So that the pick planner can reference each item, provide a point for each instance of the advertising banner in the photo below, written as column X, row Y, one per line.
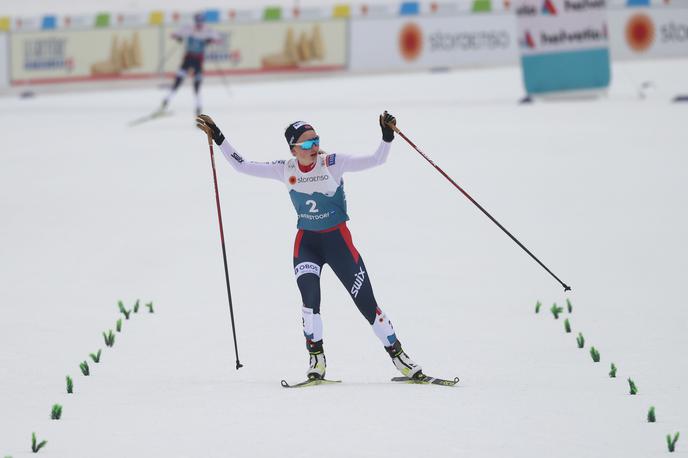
column 4, row 67
column 266, row 47
column 641, row 33
column 422, row 42
column 564, row 44
column 81, row 55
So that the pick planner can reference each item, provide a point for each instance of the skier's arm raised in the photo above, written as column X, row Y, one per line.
column 274, row 170
column 180, row 34
column 345, row 163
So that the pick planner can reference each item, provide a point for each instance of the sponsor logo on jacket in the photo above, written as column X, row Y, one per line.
column 315, row 217
column 313, row 179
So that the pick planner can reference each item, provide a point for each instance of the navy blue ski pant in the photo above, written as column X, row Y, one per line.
column 334, row 247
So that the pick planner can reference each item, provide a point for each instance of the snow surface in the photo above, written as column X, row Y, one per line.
column 94, row 211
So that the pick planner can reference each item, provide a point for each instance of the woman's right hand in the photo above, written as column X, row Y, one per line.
column 207, row 125
column 386, row 123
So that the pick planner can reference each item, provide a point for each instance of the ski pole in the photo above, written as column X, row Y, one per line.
column 223, row 78
column 224, row 251
column 401, row 134
column 166, row 57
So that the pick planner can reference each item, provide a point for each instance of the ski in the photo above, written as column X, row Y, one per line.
column 427, row 380
column 314, row 382
column 424, row 380
column 149, row 117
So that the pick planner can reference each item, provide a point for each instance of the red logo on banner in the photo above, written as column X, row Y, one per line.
column 528, row 40
column 548, row 8
column 410, row 41
column 640, row 32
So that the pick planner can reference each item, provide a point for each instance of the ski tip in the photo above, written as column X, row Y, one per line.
column 284, row 384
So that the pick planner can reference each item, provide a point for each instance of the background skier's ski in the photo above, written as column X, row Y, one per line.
column 155, row 115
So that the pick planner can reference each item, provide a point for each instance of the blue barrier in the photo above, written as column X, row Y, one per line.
column 566, row 71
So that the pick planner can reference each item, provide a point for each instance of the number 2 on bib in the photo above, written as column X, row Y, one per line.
column 313, row 205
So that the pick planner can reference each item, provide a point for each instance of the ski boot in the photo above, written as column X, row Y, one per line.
column 316, row 371
column 403, row 363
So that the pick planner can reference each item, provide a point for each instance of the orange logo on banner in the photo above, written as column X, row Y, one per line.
column 410, row 41
column 640, row 32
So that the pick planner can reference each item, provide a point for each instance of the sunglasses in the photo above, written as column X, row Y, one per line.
column 308, row 144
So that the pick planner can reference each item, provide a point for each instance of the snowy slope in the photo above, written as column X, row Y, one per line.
column 94, row 211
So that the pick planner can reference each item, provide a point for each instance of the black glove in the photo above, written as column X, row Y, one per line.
column 387, row 132
column 207, row 125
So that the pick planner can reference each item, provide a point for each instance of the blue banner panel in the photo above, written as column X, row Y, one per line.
column 409, row 9
column 212, row 16
column 49, row 23
column 566, row 71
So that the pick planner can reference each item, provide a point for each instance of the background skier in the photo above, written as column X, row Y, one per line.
column 195, row 39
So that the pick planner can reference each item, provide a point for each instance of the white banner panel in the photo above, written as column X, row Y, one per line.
column 58, row 56
column 641, row 33
column 4, row 62
column 561, row 25
column 417, row 42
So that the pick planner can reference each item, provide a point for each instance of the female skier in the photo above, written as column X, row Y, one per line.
column 314, row 181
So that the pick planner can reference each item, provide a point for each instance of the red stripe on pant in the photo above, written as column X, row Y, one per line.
column 346, row 235
column 297, row 243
